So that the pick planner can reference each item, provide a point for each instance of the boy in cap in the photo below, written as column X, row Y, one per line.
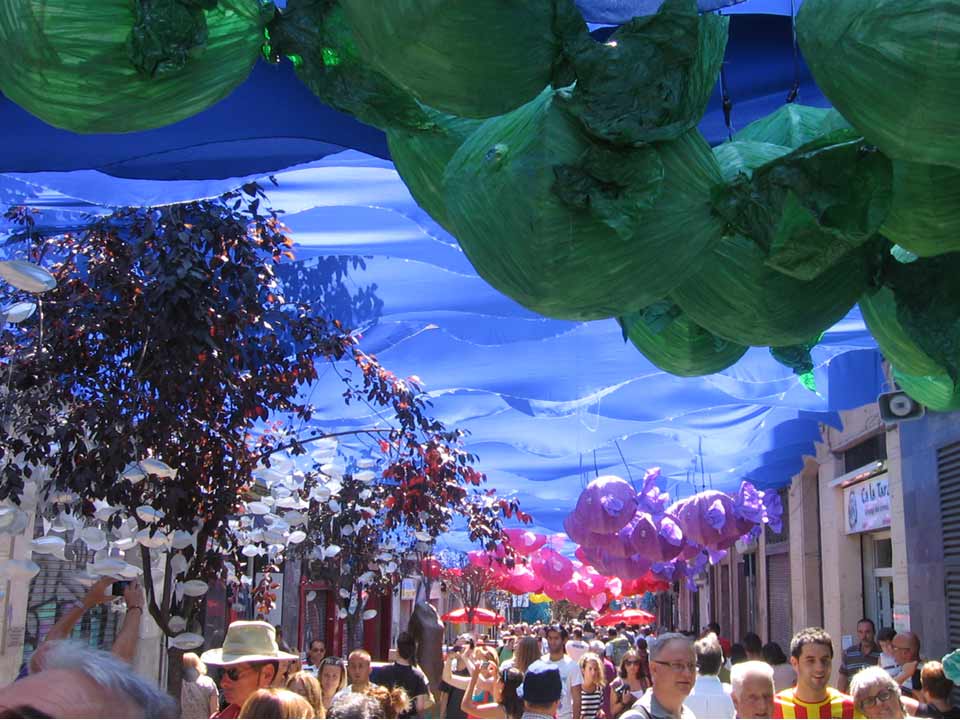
column 541, row 691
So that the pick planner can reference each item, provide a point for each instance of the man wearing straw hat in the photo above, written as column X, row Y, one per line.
column 250, row 659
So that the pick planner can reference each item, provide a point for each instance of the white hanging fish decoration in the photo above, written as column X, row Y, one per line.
column 297, row 537
column 27, row 276
column 365, row 463
column 391, row 568
column 137, row 471
column 50, row 545
column 177, row 624
column 423, row 536
column 347, row 530
column 334, row 506
column 365, row 475
column 13, row 521
column 94, row 538
column 344, row 593
column 194, row 588
column 331, row 551
column 320, row 493
column 156, row 540
column 252, row 551
column 311, row 596
column 181, row 539
column 257, row 508
column 292, row 502
column 295, row 517
column 103, row 511
column 22, row 570
column 187, row 641
column 149, row 514
column 342, row 613
column 17, row 312
column 178, row 565
column 369, row 614
column 124, row 544
column 367, row 578
column 365, row 495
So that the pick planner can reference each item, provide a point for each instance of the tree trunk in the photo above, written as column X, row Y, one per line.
column 175, row 675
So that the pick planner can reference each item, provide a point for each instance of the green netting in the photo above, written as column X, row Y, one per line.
column 421, row 156
column 465, row 57
column 937, row 392
column 739, row 297
column 813, row 206
column 572, row 229
column 879, row 310
column 676, row 344
column 73, row 63
column 317, row 36
column 925, row 215
column 652, row 79
column 793, row 125
column 745, row 156
column 892, row 68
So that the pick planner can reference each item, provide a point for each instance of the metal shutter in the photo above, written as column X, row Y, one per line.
column 779, row 600
column 948, row 472
column 55, row 590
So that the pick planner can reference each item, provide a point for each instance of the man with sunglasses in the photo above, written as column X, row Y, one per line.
column 673, row 665
column 250, row 658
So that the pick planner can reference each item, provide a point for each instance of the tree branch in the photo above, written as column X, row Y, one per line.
column 155, row 612
column 321, row 436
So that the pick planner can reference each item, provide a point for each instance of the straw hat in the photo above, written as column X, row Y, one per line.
column 247, row 641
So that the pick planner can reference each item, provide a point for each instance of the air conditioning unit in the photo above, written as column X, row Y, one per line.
column 897, row 407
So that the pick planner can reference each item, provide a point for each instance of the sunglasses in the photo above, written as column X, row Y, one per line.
column 631, row 662
column 234, row 673
column 334, row 661
column 678, row 666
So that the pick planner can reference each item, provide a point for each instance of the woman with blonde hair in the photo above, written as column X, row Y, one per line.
column 307, row 685
column 591, row 692
column 199, row 697
column 276, row 703
column 333, row 678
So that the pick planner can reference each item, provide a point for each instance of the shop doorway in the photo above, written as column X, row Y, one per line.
column 878, row 598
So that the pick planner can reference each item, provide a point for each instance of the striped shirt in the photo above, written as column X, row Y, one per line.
column 855, row 660
column 590, row 703
column 837, row 705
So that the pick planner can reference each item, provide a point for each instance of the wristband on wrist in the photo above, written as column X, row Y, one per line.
column 135, row 607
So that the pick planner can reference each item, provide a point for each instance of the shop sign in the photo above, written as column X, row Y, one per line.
column 408, row 589
column 867, row 505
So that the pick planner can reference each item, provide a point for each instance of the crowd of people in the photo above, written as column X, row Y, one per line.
column 530, row 671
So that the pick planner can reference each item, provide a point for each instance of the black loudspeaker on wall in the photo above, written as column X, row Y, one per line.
column 896, row 407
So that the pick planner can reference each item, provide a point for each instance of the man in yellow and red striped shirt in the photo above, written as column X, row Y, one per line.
column 811, row 654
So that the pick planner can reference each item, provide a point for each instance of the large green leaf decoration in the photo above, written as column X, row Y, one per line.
column 937, row 392
column 927, row 298
column 925, row 215
column 793, row 125
column 421, row 156
column 676, row 344
column 738, row 296
column 744, row 156
column 811, row 207
column 573, row 229
column 892, row 68
column 316, row 36
column 472, row 58
column 879, row 310
column 117, row 66
column 652, row 79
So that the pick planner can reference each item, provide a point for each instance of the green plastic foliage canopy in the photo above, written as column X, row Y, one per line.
column 652, row 79
column 421, row 156
column 892, row 68
column 116, row 66
column 793, row 125
column 676, row 344
column 573, row 229
column 316, row 36
column 811, row 207
column 466, row 57
column 925, row 216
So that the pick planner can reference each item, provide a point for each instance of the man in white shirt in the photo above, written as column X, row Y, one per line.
column 576, row 647
column 569, row 672
column 710, row 698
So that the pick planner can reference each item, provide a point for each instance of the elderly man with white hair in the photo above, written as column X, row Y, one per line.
column 752, row 689
column 673, row 665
